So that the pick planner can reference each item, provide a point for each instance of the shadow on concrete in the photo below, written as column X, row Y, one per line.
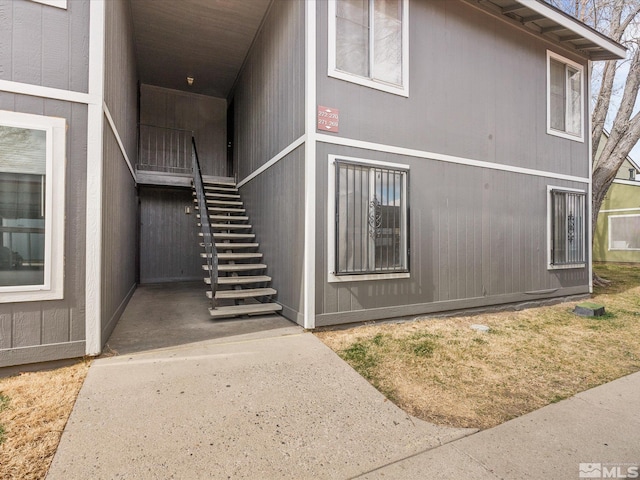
column 171, row 314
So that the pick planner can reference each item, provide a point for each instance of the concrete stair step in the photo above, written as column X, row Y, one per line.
column 227, row 203
column 230, row 236
column 233, row 256
column 221, row 189
column 240, row 280
column 237, row 267
column 229, row 226
column 227, row 218
column 229, row 196
column 243, row 293
column 218, row 183
column 222, row 209
column 251, row 309
column 233, row 245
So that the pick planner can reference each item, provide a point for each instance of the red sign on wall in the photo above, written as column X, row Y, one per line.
column 328, row 119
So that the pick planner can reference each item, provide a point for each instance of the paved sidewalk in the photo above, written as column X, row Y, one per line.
column 274, row 404
column 600, row 427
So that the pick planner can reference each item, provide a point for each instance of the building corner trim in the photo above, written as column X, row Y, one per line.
column 309, row 263
column 95, row 123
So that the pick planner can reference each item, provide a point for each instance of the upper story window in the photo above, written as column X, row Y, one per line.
column 32, row 178
column 368, row 43
column 565, row 97
column 567, row 235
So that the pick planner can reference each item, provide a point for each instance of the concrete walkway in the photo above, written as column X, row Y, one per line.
column 274, row 404
column 261, row 399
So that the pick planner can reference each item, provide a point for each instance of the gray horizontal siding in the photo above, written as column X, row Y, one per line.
column 205, row 116
column 474, row 234
column 44, row 328
column 477, row 89
column 44, row 45
column 169, row 242
column 275, row 204
column 269, row 95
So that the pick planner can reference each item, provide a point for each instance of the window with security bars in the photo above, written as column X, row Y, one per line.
column 568, row 244
column 371, row 219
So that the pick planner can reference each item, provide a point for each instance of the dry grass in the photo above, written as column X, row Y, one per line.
column 36, row 408
column 442, row 371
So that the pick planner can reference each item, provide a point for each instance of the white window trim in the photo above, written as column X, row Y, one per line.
column 53, row 286
column 53, row 3
column 578, row 138
column 402, row 90
column 551, row 266
column 611, row 248
column 331, row 225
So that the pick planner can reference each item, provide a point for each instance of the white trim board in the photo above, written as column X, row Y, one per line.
column 95, row 121
column 53, row 3
column 631, row 183
column 347, row 142
column 114, row 129
column 283, row 153
column 620, row 210
column 47, row 92
column 310, row 78
column 590, row 187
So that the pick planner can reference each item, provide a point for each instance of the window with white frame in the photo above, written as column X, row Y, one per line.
column 368, row 43
column 369, row 210
column 32, row 177
column 565, row 97
column 624, row 232
column 567, row 220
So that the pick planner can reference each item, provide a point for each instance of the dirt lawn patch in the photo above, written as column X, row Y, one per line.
column 443, row 371
column 34, row 408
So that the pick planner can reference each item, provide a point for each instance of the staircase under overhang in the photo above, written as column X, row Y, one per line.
column 239, row 285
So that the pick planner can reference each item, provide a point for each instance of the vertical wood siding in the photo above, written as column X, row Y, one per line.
column 269, row 94
column 43, row 45
column 275, row 205
column 476, row 235
column 205, row 116
column 477, row 90
column 269, row 115
column 168, row 237
column 119, row 198
column 51, row 330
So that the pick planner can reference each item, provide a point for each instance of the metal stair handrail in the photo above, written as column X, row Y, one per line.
column 209, row 241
